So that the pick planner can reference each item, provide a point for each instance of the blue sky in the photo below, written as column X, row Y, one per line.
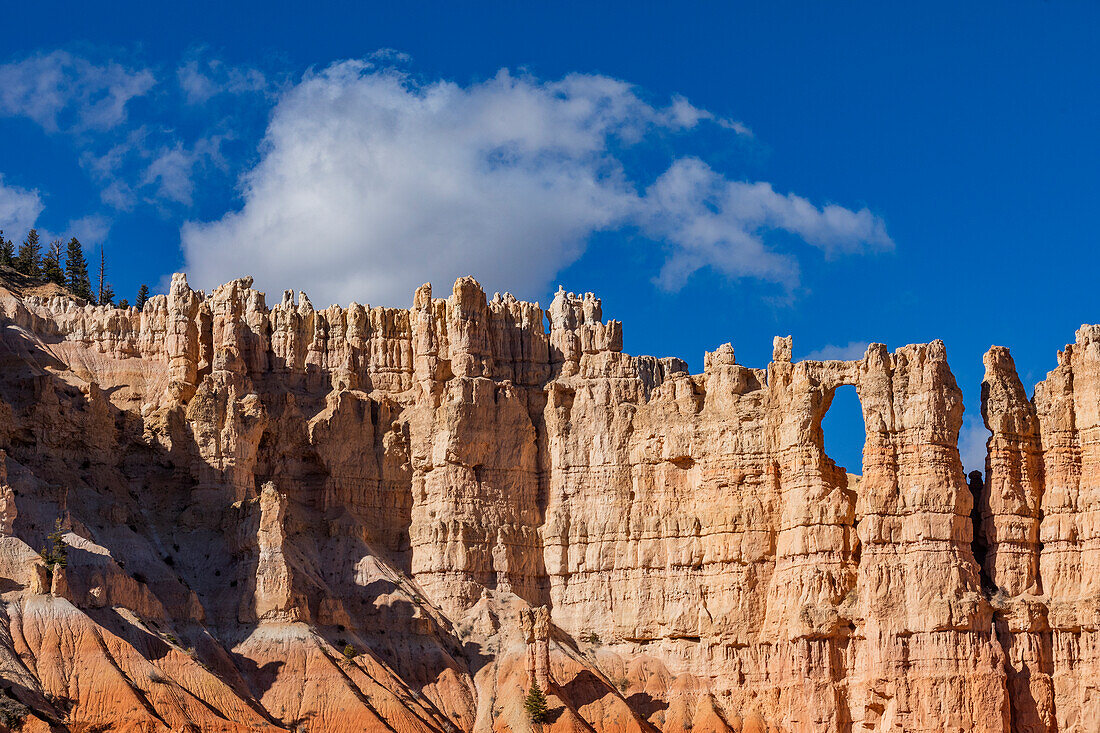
column 846, row 173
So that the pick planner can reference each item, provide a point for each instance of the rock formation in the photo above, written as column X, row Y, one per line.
column 365, row 518
column 535, row 623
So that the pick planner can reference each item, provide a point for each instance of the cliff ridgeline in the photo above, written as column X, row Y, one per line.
column 379, row 519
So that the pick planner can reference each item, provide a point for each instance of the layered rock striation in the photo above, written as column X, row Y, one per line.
column 361, row 518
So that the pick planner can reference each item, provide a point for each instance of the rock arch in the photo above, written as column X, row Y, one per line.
column 863, row 577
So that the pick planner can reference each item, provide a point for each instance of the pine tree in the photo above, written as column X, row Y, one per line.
column 106, row 294
column 104, row 287
column 124, row 304
column 535, row 704
column 142, row 296
column 55, row 554
column 51, row 264
column 7, row 251
column 76, row 270
column 29, row 253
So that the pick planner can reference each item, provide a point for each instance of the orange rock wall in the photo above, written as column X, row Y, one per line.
column 302, row 519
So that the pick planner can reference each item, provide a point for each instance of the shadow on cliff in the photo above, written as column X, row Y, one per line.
column 121, row 487
column 56, row 434
column 585, row 688
column 645, row 705
column 140, row 485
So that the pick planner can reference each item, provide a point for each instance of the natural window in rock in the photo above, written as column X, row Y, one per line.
column 843, row 430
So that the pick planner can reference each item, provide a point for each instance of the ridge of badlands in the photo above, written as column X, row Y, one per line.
column 384, row 519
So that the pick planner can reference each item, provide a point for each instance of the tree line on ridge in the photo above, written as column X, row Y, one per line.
column 65, row 266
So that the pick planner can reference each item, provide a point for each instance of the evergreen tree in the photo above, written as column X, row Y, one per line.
column 51, row 264
column 104, row 287
column 76, row 270
column 124, row 304
column 7, row 251
column 29, row 253
column 535, row 704
column 106, row 294
column 55, row 554
column 142, row 296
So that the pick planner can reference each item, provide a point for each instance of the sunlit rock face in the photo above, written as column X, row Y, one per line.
column 364, row 518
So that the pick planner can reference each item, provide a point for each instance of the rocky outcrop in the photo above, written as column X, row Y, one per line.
column 384, row 519
column 1040, row 513
column 535, row 623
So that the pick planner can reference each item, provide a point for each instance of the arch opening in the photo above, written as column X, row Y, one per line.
column 843, row 430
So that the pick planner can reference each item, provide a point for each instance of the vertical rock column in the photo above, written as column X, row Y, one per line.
column 1067, row 403
column 273, row 596
column 475, row 463
column 1010, row 505
column 226, row 415
column 236, row 306
column 814, row 564
column 1009, row 510
column 8, row 511
column 182, row 339
column 925, row 659
column 542, row 647
column 424, row 320
column 535, row 624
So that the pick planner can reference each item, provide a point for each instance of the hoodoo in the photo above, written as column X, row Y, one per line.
column 365, row 518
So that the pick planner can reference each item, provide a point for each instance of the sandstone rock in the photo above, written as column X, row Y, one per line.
column 296, row 518
column 536, row 632
column 1039, row 513
column 8, row 510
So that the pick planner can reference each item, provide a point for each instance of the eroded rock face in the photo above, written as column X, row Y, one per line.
column 1040, row 516
column 382, row 519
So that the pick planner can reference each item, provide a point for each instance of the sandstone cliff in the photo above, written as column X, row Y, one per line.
column 361, row 518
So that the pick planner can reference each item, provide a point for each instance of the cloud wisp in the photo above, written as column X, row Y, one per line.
column 19, row 209
column 848, row 352
column 201, row 78
column 972, row 444
column 371, row 182
column 64, row 92
column 158, row 153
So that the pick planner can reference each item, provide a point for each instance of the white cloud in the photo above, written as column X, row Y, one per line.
column 721, row 223
column 201, row 79
column 165, row 172
column 151, row 162
column 389, row 56
column 170, row 174
column 118, row 194
column 19, row 209
column 171, row 171
column 62, row 91
column 90, row 230
column 106, row 167
column 849, row 352
column 371, row 183
column 972, row 439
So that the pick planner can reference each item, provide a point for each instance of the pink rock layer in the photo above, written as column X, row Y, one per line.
column 359, row 519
